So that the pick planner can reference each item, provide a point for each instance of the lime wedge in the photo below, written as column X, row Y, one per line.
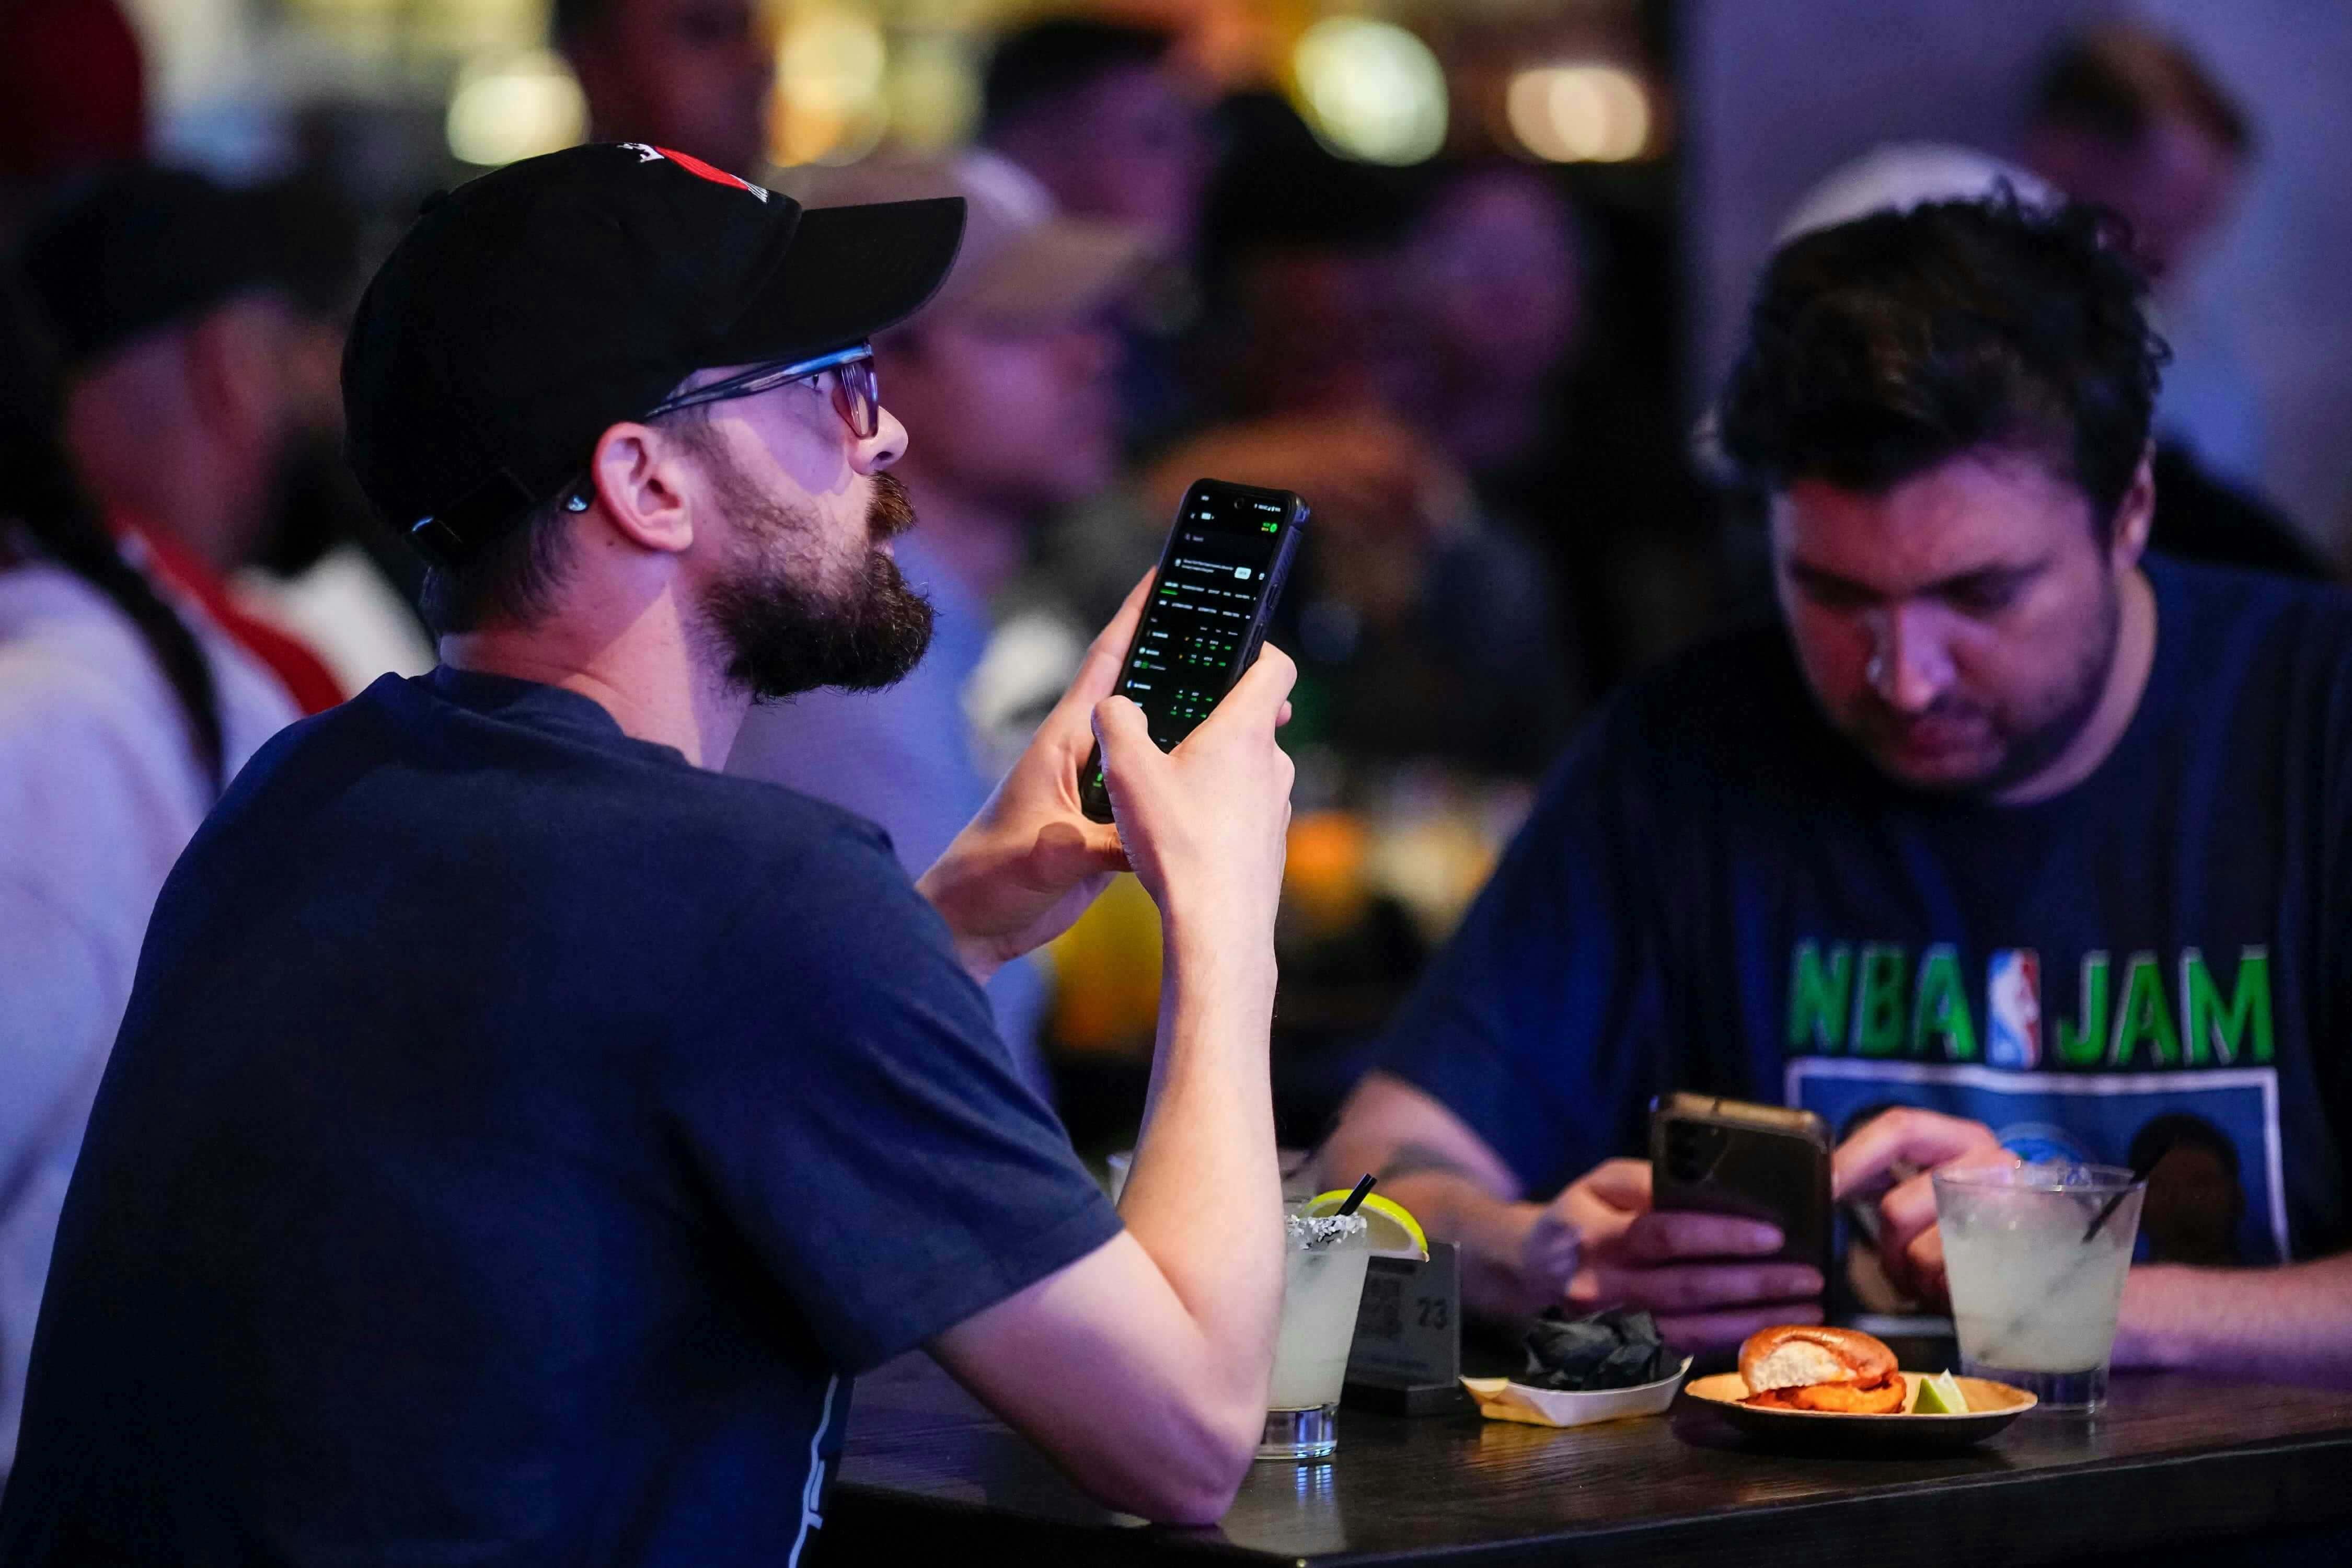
column 1939, row 1396
column 1394, row 1233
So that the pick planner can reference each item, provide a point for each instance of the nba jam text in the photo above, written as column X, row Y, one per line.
column 1874, row 999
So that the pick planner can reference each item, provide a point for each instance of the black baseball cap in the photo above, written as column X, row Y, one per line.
column 527, row 312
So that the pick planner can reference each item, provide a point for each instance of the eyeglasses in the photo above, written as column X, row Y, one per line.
column 856, row 394
column 857, row 397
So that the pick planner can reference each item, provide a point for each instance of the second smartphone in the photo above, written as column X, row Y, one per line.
column 1759, row 1162
column 1224, row 565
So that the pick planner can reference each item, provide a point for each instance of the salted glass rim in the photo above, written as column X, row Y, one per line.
column 2047, row 1176
column 1325, row 1233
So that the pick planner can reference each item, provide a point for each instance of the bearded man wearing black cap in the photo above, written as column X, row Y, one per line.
column 521, row 1133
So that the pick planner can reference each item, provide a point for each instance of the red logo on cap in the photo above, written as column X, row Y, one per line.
column 647, row 154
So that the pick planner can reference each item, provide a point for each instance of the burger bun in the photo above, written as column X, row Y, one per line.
column 1801, row 1356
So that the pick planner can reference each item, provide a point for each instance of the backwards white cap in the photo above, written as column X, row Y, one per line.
column 1900, row 176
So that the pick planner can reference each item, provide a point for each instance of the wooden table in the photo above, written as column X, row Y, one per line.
column 2212, row 1471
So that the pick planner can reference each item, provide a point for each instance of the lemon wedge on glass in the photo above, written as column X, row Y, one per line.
column 1394, row 1232
column 1939, row 1396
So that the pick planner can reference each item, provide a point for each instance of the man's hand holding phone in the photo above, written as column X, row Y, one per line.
column 1206, row 825
column 1219, row 577
column 1891, row 1160
column 1710, row 1280
column 1032, row 861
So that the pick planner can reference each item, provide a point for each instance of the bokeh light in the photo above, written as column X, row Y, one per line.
column 829, row 105
column 1580, row 113
column 1371, row 90
column 514, row 104
column 933, row 93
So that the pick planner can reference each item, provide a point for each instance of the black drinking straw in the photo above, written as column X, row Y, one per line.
column 2114, row 1203
column 2105, row 1210
column 1356, row 1199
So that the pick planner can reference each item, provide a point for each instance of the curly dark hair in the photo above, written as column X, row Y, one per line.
column 1882, row 347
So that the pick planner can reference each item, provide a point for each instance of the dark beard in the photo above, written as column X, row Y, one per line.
column 783, row 640
column 2043, row 743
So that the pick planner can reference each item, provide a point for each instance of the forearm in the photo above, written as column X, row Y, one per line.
column 2278, row 1325
column 1204, row 1195
column 1439, row 1169
column 1492, row 1233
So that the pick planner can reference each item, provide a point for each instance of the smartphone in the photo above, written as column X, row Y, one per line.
column 1226, row 559
column 1759, row 1162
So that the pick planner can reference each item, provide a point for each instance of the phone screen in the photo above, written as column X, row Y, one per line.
column 1225, row 558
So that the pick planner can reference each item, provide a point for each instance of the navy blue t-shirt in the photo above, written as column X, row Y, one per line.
column 1718, row 893
column 517, row 1141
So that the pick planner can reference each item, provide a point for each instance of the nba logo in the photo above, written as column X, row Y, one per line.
column 2013, row 1009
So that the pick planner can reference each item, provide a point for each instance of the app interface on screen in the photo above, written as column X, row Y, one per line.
column 1199, row 619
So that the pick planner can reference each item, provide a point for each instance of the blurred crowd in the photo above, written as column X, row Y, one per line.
column 1453, row 363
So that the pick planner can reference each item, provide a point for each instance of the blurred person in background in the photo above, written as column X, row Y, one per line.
column 1425, row 629
column 2006, row 825
column 1432, row 686
column 1100, row 114
column 185, row 393
column 693, row 76
column 1495, row 273
column 1522, row 379
column 124, row 712
column 2133, row 121
column 1008, row 376
column 1103, row 115
column 325, row 567
column 73, row 99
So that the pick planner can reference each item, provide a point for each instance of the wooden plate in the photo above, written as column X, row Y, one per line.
column 1992, row 1406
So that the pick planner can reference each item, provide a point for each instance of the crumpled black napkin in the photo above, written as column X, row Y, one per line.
column 1616, row 1348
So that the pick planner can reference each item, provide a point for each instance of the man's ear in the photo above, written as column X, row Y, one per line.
column 639, row 474
column 2134, row 514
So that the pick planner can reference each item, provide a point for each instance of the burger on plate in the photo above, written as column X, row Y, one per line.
column 1803, row 1367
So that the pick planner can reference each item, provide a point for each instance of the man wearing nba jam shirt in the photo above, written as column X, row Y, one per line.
column 2034, row 840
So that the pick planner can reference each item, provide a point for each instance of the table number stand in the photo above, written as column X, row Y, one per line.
column 1407, row 1355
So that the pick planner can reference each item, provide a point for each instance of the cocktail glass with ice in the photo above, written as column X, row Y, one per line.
column 1322, row 1286
column 2036, row 1256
